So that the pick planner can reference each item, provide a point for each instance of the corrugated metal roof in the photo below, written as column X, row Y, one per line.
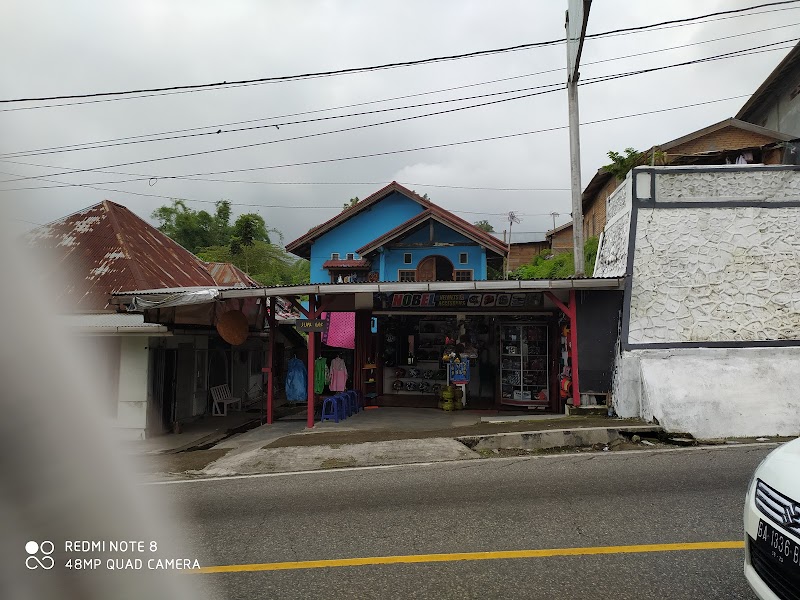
column 109, row 323
column 228, row 274
column 105, row 249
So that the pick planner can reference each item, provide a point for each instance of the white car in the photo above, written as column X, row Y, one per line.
column 772, row 525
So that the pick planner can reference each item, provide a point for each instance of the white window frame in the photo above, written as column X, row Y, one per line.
column 350, row 256
column 399, row 278
column 470, row 271
column 334, row 256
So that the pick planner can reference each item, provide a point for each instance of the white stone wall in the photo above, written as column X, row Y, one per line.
column 712, row 393
column 723, row 183
column 716, row 274
column 612, row 255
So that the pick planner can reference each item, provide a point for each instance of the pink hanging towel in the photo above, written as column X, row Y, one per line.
column 341, row 330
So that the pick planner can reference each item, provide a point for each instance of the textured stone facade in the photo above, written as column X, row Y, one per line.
column 723, row 184
column 618, row 201
column 716, row 274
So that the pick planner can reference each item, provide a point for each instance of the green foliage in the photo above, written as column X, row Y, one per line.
column 548, row 266
column 267, row 263
column 349, row 203
column 484, row 225
column 194, row 229
column 621, row 164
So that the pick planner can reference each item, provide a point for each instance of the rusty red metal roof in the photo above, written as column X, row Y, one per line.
column 229, row 275
column 360, row 263
column 105, row 249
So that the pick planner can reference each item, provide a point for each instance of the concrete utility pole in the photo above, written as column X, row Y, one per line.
column 577, row 17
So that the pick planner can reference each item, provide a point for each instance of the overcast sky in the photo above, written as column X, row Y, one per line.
column 57, row 48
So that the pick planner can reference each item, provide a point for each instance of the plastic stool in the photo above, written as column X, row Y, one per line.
column 354, row 401
column 330, row 409
column 343, row 412
column 350, row 403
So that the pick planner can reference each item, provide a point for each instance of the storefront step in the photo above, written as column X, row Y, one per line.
column 587, row 410
column 556, row 438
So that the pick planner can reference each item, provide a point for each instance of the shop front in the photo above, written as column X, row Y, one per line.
column 511, row 343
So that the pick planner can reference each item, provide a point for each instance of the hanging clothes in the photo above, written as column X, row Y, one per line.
column 320, row 375
column 296, row 381
column 338, row 375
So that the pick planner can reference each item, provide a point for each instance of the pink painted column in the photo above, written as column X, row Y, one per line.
column 311, row 357
column 271, row 359
column 573, row 334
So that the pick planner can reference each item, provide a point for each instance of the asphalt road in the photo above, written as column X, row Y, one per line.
column 527, row 503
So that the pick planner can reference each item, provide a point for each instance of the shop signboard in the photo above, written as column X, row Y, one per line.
column 312, row 325
column 462, row 301
column 458, row 372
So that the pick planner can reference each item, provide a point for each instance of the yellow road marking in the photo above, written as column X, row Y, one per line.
column 501, row 554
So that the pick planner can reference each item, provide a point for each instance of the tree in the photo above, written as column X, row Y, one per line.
column 352, row 202
column 267, row 263
column 484, row 225
column 621, row 164
column 547, row 266
column 194, row 229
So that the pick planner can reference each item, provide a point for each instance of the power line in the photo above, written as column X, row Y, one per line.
column 218, row 128
column 474, row 54
column 753, row 50
column 198, row 176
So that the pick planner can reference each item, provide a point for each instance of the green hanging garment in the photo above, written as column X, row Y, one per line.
column 320, row 375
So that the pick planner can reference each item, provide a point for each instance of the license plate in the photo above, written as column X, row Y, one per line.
column 784, row 551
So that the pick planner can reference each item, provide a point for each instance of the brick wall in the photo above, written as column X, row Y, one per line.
column 594, row 213
column 561, row 241
column 522, row 254
column 727, row 138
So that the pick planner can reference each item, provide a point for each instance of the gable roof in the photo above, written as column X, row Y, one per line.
column 229, row 275
column 552, row 232
column 302, row 245
column 773, row 81
column 743, row 125
column 105, row 249
column 447, row 219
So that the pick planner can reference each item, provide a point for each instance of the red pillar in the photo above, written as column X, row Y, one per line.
column 271, row 358
column 571, row 310
column 573, row 334
column 311, row 356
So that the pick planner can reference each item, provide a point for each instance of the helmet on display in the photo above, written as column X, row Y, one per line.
column 413, row 373
column 390, row 338
column 399, row 373
column 425, row 386
column 397, row 384
column 427, row 374
column 411, row 386
column 437, row 387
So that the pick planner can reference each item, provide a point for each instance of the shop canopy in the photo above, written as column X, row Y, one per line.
column 176, row 297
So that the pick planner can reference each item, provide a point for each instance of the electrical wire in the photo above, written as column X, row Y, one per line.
column 474, row 54
column 198, row 176
column 754, row 50
column 218, row 128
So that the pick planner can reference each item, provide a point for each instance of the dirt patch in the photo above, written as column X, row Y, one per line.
column 182, row 461
column 380, row 435
column 338, row 463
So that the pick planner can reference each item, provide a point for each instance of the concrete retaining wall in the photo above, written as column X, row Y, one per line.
column 556, row 438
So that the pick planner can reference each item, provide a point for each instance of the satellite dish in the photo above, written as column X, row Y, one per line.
column 232, row 327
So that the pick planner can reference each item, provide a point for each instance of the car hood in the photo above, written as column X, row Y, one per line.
column 781, row 469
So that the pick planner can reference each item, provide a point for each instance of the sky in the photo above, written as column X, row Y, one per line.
column 52, row 48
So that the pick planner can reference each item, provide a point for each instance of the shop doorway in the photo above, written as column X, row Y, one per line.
column 435, row 268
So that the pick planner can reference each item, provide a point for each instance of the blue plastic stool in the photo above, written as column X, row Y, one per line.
column 343, row 411
column 352, row 396
column 330, row 409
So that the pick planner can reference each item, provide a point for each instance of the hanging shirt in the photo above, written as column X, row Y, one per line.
column 296, row 381
column 320, row 375
column 338, row 375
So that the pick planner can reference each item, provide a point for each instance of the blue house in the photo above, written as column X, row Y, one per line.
column 397, row 235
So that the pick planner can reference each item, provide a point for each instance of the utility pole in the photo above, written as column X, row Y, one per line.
column 512, row 218
column 577, row 17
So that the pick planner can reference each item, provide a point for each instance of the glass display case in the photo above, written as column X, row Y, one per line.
column 524, row 362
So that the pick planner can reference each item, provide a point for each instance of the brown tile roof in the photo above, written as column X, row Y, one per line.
column 105, row 249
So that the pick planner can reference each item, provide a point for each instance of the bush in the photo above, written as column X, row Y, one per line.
column 559, row 266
